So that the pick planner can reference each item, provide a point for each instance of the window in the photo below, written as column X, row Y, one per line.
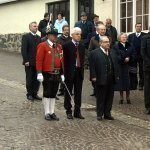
column 86, row 6
column 133, row 11
column 63, row 6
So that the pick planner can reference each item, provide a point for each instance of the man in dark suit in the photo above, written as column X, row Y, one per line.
column 135, row 40
column 28, row 50
column 74, row 52
column 145, row 52
column 102, row 72
column 94, row 43
column 65, row 37
column 86, row 27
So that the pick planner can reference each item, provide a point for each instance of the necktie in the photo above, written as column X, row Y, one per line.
column 77, row 55
column 137, row 34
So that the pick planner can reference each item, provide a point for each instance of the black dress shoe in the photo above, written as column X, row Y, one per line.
column 37, row 97
column 48, row 117
column 54, row 117
column 69, row 116
column 78, row 116
column 57, row 98
column 30, row 98
column 99, row 118
column 109, row 118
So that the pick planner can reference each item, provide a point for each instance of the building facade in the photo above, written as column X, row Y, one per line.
column 15, row 15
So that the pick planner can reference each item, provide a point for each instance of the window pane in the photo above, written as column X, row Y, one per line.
column 123, row 0
column 123, row 10
column 129, row 9
column 129, row 24
column 145, row 6
column 139, row 19
column 139, row 7
column 145, row 22
column 123, row 25
column 62, row 7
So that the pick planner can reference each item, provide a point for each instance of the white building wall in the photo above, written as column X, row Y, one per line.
column 15, row 17
column 103, row 9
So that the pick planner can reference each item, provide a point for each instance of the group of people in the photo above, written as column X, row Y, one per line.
column 56, row 58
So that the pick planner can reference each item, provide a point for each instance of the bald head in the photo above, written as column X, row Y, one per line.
column 108, row 22
column 104, row 42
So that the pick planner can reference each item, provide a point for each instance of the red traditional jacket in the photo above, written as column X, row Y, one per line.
column 48, row 59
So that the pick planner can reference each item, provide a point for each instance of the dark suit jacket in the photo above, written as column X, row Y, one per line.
column 145, row 52
column 112, row 33
column 98, row 68
column 136, row 45
column 62, row 40
column 94, row 43
column 42, row 27
column 70, row 59
column 28, row 48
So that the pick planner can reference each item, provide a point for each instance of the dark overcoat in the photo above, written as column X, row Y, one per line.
column 98, row 67
column 127, row 71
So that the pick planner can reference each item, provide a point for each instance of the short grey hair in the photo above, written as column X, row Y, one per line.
column 33, row 22
column 75, row 29
column 122, row 33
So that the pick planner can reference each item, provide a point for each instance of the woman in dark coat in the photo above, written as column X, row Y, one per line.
column 127, row 67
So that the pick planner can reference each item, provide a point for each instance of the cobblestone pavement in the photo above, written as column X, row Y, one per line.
column 22, row 124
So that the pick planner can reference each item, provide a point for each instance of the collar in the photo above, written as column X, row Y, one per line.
column 74, row 42
column 139, row 33
column 123, row 44
column 65, row 36
column 33, row 33
column 50, row 43
column 104, row 51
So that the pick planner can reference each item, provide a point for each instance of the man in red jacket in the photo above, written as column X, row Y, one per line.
column 49, row 68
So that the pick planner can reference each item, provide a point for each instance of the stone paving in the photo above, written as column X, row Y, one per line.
column 22, row 124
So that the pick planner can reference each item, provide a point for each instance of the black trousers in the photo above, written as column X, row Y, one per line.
column 62, row 88
column 104, row 98
column 50, row 85
column 141, row 74
column 76, row 82
column 147, row 89
column 32, row 84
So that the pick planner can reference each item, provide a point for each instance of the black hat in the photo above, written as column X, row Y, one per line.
column 83, row 14
column 52, row 30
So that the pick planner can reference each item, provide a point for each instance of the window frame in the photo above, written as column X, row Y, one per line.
column 133, row 16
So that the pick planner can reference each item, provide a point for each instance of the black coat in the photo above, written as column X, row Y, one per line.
column 42, row 27
column 122, row 52
column 70, row 59
column 98, row 68
column 145, row 52
column 28, row 48
column 112, row 33
column 136, row 44
column 62, row 40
